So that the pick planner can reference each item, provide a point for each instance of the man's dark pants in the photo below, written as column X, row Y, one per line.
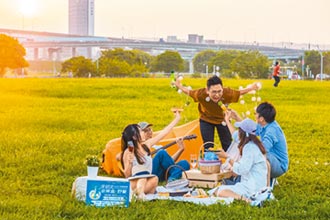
column 207, row 131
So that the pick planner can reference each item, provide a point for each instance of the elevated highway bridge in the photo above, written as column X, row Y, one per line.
column 57, row 43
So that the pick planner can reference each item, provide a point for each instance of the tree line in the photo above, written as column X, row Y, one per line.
column 124, row 63
column 136, row 63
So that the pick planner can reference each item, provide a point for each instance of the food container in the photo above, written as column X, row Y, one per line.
column 177, row 187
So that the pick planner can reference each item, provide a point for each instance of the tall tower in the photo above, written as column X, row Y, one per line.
column 81, row 17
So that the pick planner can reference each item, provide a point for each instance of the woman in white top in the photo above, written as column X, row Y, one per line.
column 137, row 163
column 252, row 166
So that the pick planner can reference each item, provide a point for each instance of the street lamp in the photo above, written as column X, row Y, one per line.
column 54, row 65
column 98, row 55
column 320, row 52
column 321, row 74
column 206, row 70
column 217, row 71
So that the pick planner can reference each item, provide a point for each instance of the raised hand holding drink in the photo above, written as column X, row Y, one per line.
column 130, row 146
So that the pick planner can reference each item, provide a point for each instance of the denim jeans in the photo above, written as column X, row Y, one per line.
column 276, row 169
column 162, row 161
column 207, row 131
column 232, row 180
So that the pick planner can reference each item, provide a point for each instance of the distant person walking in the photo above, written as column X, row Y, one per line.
column 276, row 73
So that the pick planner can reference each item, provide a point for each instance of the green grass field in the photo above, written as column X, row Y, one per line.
column 48, row 126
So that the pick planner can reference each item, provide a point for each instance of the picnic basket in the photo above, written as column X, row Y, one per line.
column 177, row 187
column 208, row 166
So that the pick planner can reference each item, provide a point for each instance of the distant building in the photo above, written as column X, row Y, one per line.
column 81, row 22
column 210, row 41
column 195, row 39
column 81, row 17
column 172, row 39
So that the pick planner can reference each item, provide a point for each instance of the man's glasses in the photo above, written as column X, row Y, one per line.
column 214, row 92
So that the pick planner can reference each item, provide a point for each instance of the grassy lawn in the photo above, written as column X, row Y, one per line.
column 48, row 126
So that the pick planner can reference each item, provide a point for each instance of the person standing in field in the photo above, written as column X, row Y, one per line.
column 276, row 73
column 273, row 139
column 211, row 105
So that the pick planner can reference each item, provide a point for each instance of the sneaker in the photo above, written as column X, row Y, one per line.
column 258, row 198
column 273, row 182
column 257, row 203
column 271, row 196
column 141, row 197
column 263, row 194
column 138, row 195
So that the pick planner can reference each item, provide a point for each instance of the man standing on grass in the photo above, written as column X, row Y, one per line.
column 211, row 105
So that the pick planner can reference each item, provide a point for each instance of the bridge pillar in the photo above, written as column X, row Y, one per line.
column 50, row 54
column 36, row 54
column 54, row 53
column 58, row 54
column 89, row 52
column 74, row 51
column 191, row 67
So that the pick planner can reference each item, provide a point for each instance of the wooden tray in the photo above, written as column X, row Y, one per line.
column 198, row 179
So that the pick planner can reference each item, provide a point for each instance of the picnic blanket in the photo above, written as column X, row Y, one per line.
column 199, row 201
column 256, row 200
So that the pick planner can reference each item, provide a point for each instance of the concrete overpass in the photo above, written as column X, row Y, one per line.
column 56, row 45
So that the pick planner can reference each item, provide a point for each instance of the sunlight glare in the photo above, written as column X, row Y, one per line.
column 28, row 7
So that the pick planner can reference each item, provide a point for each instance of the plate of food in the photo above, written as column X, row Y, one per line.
column 197, row 193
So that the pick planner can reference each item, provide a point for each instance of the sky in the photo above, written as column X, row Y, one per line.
column 272, row 21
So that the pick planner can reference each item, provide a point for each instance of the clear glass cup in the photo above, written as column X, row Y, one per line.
column 193, row 161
